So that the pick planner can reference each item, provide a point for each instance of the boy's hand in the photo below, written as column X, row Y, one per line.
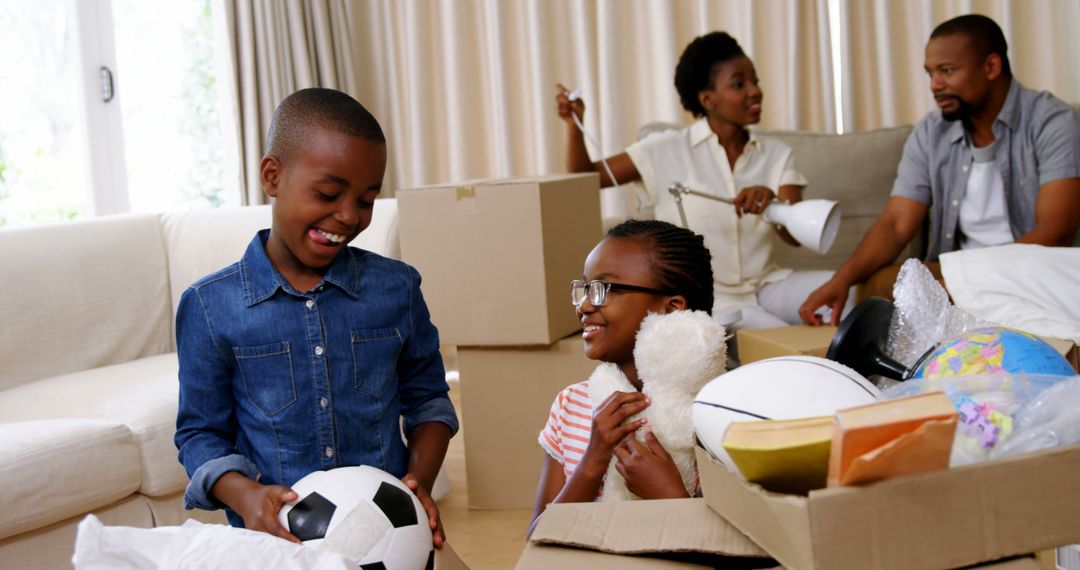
column 650, row 472
column 260, row 507
column 438, row 537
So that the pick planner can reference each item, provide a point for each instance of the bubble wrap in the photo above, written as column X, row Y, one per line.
column 924, row 317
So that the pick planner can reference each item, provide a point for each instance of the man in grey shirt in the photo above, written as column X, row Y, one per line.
column 996, row 163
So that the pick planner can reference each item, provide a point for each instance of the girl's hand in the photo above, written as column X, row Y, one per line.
column 608, row 427
column 566, row 106
column 259, row 506
column 753, row 200
column 438, row 537
column 650, row 472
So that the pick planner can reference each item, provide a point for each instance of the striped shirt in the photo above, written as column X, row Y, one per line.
column 566, row 435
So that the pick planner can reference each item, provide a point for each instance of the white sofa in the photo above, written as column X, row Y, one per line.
column 88, row 369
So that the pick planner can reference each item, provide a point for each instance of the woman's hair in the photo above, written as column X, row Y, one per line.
column 681, row 262
column 697, row 66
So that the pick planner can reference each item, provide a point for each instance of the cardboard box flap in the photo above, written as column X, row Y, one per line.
column 786, row 517
column 943, row 519
column 638, row 527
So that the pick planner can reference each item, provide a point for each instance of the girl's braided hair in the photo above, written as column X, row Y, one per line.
column 680, row 260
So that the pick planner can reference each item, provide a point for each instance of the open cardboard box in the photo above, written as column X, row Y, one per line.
column 654, row 535
column 944, row 519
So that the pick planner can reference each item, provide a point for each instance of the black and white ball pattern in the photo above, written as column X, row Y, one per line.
column 362, row 513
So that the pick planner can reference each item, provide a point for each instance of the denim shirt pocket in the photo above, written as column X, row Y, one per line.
column 375, row 354
column 268, row 376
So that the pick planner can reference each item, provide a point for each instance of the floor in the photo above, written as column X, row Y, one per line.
column 483, row 539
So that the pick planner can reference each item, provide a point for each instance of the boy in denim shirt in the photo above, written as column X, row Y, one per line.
column 306, row 354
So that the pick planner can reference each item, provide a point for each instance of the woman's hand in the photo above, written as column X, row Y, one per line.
column 438, row 536
column 566, row 106
column 753, row 200
column 648, row 469
column 609, row 426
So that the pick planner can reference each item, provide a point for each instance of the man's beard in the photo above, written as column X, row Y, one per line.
column 962, row 111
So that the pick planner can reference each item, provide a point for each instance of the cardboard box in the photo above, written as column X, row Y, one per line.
column 506, row 395
column 670, row 533
column 943, row 519
column 759, row 344
column 447, row 559
column 497, row 257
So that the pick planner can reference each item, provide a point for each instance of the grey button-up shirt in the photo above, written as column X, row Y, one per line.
column 1038, row 141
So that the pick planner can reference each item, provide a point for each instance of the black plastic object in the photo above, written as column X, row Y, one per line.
column 859, row 343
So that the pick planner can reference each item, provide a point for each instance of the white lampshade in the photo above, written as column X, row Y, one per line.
column 813, row 223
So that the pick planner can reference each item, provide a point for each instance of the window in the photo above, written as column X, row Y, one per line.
column 154, row 145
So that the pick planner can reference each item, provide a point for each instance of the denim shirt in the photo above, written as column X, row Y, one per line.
column 276, row 383
column 1037, row 140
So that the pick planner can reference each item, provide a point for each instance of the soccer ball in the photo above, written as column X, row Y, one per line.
column 364, row 514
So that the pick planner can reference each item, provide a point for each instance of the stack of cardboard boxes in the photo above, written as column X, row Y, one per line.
column 497, row 258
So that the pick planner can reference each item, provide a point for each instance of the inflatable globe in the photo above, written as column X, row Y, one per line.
column 993, row 351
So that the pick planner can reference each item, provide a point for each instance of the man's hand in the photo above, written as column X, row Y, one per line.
column 832, row 294
column 649, row 470
column 438, row 536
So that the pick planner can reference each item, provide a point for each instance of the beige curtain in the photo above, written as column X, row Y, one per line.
column 465, row 88
column 276, row 48
column 883, row 42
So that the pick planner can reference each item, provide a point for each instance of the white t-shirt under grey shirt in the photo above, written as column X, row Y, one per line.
column 984, row 219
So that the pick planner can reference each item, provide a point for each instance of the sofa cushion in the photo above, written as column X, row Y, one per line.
column 55, row 469
column 141, row 395
column 199, row 242
column 81, row 295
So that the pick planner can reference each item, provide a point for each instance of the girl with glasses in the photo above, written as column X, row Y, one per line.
column 639, row 268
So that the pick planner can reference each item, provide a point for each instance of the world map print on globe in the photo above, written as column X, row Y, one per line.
column 994, row 351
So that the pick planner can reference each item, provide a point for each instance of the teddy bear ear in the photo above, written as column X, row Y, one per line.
column 687, row 347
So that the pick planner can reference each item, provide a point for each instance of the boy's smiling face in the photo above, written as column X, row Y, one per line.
column 325, row 193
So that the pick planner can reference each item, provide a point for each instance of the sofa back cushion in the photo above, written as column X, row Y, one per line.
column 857, row 170
column 199, row 242
column 80, row 295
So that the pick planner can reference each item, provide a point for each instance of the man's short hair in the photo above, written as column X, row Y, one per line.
column 985, row 35
column 302, row 113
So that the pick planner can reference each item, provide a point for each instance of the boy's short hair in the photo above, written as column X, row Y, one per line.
column 300, row 114
column 985, row 36
column 696, row 68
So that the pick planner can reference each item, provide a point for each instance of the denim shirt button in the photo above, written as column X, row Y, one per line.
column 319, row 351
column 323, row 402
column 329, row 451
column 309, row 304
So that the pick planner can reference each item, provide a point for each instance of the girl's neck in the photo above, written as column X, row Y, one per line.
column 630, row 371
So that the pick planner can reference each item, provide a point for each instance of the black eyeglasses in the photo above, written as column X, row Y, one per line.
column 597, row 291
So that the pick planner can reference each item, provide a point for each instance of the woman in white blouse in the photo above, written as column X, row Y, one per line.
column 717, row 84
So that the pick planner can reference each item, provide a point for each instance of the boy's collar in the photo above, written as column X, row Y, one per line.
column 262, row 280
